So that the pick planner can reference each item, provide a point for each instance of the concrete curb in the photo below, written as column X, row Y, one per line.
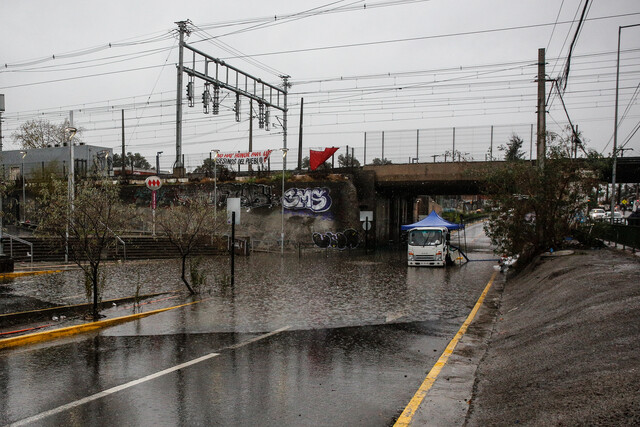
column 418, row 412
column 27, row 273
column 39, row 337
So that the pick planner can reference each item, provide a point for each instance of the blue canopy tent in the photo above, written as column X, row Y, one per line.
column 435, row 220
column 432, row 220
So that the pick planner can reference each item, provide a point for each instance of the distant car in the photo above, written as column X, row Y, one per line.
column 618, row 218
column 596, row 214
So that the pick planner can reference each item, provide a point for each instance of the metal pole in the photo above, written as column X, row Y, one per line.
column 531, row 143
column 285, row 84
column 24, row 153
column 615, row 132
column 284, row 156
column 233, row 246
column 70, row 188
column 365, row 149
column 124, row 163
column 417, row 145
column 453, row 153
column 182, row 28
column 215, row 186
column 300, row 135
column 491, row 147
column 158, row 163
column 542, row 107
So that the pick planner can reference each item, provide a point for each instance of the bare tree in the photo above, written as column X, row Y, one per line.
column 187, row 225
column 94, row 219
column 39, row 133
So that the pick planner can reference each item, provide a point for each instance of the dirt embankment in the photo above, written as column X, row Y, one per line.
column 565, row 349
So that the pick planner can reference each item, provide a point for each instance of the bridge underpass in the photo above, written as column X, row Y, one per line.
column 398, row 185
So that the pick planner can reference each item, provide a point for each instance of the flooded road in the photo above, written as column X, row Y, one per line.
column 327, row 338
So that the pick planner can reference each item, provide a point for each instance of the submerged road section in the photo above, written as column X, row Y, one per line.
column 325, row 339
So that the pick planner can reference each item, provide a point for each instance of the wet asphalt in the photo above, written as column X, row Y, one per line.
column 325, row 338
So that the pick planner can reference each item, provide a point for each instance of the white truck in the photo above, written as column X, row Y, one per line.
column 429, row 246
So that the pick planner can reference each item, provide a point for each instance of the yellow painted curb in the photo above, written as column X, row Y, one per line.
column 78, row 329
column 27, row 273
column 75, row 306
column 408, row 413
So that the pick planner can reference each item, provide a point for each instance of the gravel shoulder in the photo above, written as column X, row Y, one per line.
column 559, row 344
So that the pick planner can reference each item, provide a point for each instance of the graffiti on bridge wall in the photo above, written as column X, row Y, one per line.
column 313, row 199
column 340, row 240
column 251, row 195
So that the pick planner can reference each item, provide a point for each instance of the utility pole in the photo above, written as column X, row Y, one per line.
column 285, row 87
column 453, row 152
column 249, row 168
column 1, row 195
column 542, row 109
column 300, row 135
column 178, row 167
column 1, row 111
column 491, row 147
column 124, row 170
column 614, row 153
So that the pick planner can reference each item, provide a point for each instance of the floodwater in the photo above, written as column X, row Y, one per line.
column 358, row 332
column 309, row 290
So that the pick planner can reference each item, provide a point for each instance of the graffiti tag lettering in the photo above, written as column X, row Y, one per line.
column 341, row 240
column 314, row 199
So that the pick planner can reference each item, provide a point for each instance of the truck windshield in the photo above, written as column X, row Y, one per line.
column 425, row 237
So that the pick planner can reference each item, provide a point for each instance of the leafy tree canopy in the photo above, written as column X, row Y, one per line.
column 137, row 160
column 512, row 149
column 535, row 209
column 377, row 161
column 347, row 161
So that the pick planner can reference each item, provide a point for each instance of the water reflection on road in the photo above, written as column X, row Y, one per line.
column 319, row 290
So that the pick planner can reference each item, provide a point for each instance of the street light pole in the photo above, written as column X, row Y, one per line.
column 284, row 156
column 615, row 127
column 158, row 162
column 24, row 200
column 215, row 185
column 70, row 189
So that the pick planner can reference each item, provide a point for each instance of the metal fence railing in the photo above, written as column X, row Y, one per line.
column 628, row 236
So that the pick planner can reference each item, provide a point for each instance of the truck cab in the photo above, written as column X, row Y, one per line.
column 429, row 246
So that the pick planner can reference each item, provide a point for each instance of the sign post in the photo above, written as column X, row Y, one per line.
column 233, row 218
column 153, row 183
column 366, row 217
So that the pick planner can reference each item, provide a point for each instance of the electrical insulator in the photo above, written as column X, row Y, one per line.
column 237, row 107
column 261, row 115
column 266, row 118
column 216, row 99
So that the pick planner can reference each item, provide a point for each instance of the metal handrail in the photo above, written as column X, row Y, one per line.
column 17, row 239
column 124, row 245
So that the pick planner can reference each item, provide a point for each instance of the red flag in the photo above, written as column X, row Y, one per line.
column 316, row 158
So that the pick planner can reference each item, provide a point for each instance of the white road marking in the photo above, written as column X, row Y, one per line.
column 59, row 409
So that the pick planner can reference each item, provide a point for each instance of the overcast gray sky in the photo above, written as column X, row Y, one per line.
column 387, row 65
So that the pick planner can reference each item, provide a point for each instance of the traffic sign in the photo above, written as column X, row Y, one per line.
column 153, row 183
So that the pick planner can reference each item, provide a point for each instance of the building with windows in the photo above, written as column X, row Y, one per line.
column 38, row 163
